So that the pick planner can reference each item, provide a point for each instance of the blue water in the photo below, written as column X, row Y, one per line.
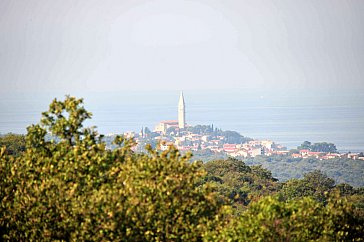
column 286, row 117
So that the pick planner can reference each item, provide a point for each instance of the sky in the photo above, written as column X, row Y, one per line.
column 113, row 45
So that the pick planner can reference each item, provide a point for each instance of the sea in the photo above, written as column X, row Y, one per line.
column 287, row 117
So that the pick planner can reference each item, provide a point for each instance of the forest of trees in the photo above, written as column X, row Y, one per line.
column 318, row 147
column 73, row 188
column 285, row 167
column 342, row 170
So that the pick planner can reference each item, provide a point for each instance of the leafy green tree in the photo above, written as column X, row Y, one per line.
column 342, row 170
column 64, row 119
column 171, row 130
column 297, row 220
column 318, row 147
column 354, row 195
column 14, row 143
column 76, row 189
column 206, row 155
column 314, row 184
column 233, row 137
column 345, row 189
column 200, row 129
column 238, row 183
column 147, row 131
column 324, row 147
column 306, row 145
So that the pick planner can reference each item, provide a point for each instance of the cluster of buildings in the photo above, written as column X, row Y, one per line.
column 175, row 132
column 254, row 148
column 186, row 140
column 305, row 153
column 178, row 134
column 217, row 144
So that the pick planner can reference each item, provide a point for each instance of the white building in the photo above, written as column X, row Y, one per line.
column 181, row 112
column 180, row 123
column 164, row 125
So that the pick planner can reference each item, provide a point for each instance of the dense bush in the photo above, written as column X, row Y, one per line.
column 238, row 183
column 297, row 220
column 314, row 184
column 14, row 143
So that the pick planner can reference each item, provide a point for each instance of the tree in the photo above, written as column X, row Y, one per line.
column 345, row 189
column 306, row 145
column 65, row 119
column 239, row 184
column 14, row 143
column 324, row 147
column 318, row 147
column 171, row 130
column 147, row 131
column 73, row 188
column 301, row 220
column 314, row 184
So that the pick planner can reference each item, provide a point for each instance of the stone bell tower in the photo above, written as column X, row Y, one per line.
column 181, row 112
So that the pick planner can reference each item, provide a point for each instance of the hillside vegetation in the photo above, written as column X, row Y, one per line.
column 74, row 189
column 342, row 170
column 285, row 167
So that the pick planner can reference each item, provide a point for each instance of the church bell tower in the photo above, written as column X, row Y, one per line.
column 181, row 112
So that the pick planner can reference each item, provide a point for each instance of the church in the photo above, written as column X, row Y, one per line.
column 180, row 123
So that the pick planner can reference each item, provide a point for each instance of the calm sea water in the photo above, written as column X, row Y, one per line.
column 286, row 117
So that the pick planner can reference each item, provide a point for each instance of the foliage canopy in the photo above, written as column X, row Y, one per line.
column 73, row 188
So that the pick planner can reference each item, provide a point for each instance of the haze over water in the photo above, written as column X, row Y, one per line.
column 286, row 117
column 289, row 71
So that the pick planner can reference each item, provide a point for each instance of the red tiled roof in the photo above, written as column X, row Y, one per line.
column 169, row 122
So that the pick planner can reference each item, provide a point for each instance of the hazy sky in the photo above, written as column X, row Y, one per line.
column 95, row 45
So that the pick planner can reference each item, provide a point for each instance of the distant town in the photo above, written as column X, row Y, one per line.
column 214, row 141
